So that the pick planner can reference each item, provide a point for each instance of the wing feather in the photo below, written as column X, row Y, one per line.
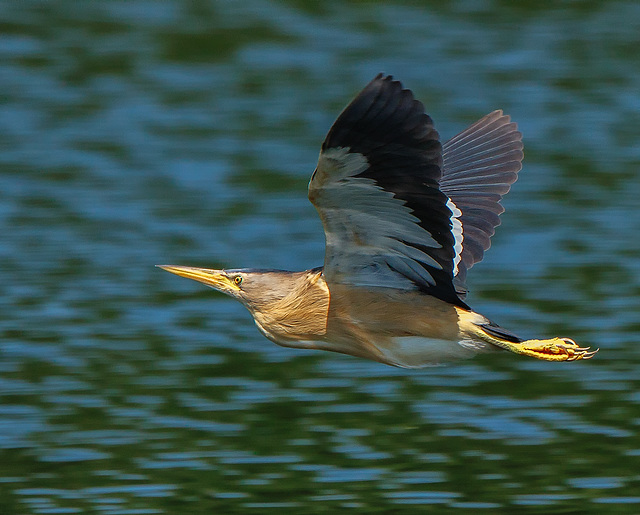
column 399, row 209
column 386, row 222
column 480, row 165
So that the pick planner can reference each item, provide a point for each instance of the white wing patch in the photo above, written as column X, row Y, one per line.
column 458, row 234
column 369, row 232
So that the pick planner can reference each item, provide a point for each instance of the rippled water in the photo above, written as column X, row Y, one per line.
column 144, row 132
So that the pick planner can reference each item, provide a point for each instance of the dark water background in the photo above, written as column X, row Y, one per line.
column 142, row 132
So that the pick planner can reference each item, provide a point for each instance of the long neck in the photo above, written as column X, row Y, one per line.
column 298, row 316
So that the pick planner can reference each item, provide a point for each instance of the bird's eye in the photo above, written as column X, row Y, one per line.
column 238, row 280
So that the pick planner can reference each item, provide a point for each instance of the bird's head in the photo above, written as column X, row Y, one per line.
column 254, row 288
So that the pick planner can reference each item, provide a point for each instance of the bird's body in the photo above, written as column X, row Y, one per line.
column 392, row 326
column 405, row 218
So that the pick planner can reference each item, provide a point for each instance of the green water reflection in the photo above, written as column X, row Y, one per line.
column 144, row 132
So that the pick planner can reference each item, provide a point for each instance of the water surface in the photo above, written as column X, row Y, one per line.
column 144, row 132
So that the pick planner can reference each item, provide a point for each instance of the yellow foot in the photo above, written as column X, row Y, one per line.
column 555, row 349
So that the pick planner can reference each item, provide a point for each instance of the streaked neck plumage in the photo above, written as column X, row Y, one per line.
column 279, row 319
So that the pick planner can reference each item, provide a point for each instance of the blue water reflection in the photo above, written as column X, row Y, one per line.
column 144, row 132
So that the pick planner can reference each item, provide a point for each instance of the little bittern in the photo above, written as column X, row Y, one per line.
column 404, row 218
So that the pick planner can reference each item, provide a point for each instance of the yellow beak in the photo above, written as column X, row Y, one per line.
column 214, row 278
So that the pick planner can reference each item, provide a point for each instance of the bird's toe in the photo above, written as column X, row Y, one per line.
column 557, row 349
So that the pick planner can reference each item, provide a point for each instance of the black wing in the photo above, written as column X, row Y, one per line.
column 376, row 189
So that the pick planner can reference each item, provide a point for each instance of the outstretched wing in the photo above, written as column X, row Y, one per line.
column 480, row 164
column 386, row 222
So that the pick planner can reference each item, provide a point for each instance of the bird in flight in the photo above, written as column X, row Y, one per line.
column 405, row 217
